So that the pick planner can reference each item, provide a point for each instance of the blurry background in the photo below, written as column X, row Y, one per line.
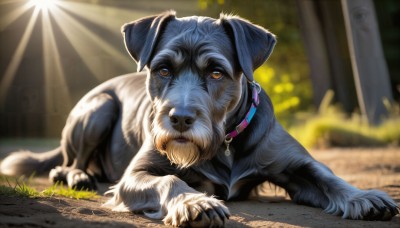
column 334, row 76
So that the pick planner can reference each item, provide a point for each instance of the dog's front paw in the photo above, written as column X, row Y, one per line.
column 370, row 205
column 79, row 180
column 196, row 210
column 58, row 175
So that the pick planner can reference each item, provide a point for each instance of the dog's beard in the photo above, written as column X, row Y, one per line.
column 188, row 148
column 180, row 150
column 182, row 154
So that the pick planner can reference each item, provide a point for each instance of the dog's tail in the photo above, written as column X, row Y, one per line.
column 28, row 163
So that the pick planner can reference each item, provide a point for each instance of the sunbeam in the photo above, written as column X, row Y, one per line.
column 95, row 13
column 53, row 71
column 75, row 33
column 86, row 39
column 17, row 57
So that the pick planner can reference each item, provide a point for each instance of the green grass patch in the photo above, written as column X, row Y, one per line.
column 19, row 190
column 20, row 187
column 60, row 190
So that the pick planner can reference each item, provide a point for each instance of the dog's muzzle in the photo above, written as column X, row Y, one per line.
column 182, row 133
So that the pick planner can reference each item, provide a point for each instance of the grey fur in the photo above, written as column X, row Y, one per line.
column 164, row 141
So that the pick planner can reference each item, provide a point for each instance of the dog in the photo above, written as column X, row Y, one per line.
column 192, row 130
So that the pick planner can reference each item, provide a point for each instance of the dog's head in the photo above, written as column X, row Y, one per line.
column 195, row 77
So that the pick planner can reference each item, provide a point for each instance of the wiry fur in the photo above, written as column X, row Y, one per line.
column 164, row 141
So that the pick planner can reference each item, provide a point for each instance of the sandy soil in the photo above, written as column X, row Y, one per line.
column 364, row 168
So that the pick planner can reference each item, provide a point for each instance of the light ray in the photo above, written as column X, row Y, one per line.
column 95, row 13
column 17, row 57
column 53, row 71
column 10, row 17
column 44, row 5
column 86, row 39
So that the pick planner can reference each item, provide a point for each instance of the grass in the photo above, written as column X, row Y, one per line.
column 60, row 190
column 22, row 188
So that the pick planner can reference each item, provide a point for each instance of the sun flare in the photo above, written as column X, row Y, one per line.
column 57, row 21
column 43, row 4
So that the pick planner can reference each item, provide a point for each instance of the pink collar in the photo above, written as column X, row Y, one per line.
column 256, row 89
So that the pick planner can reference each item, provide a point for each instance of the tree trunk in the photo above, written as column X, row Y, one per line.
column 369, row 66
column 316, row 50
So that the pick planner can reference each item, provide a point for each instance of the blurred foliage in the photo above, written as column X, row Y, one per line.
column 331, row 127
column 337, row 130
column 285, row 76
column 288, row 94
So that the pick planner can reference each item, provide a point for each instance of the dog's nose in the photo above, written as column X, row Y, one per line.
column 182, row 118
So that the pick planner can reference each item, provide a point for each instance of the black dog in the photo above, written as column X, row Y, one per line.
column 195, row 125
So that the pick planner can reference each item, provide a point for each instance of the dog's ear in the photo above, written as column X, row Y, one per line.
column 141, row 36
column 253, row 43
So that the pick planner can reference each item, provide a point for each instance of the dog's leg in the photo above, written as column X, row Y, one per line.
column 311, row 183
column 88, row 125
column 148, row 187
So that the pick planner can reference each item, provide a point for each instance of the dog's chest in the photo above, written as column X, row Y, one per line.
column 233, row 177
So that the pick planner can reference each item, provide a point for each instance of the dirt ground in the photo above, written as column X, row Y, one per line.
column 377, row 168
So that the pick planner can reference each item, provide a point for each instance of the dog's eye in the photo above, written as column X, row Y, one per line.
column 164, row 72
column 216, row 74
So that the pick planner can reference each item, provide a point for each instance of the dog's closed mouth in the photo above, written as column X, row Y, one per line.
column 181, row 139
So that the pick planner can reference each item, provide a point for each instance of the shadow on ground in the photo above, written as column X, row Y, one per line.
column 365, row 168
